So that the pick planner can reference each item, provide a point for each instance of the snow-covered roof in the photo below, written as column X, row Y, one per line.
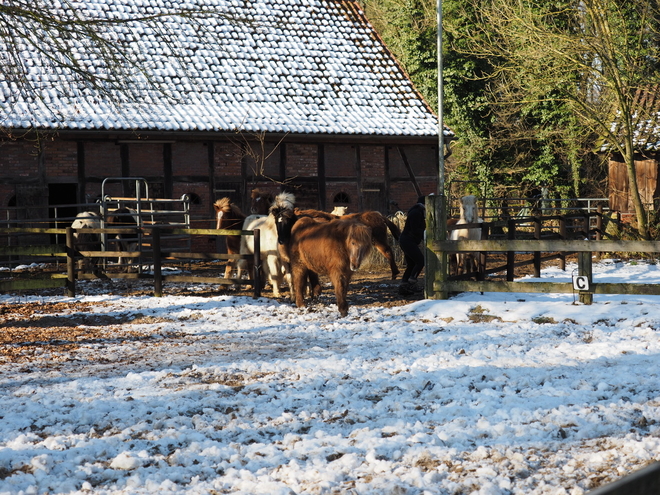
column 645, row 120
column 286, row 66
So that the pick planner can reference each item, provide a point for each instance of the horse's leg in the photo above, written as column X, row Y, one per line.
column 314, row 284
column 340, row 283
column 299, row 275
column 386, row 251
column 274, row 273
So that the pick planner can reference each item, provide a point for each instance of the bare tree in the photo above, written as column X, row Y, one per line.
column 84, row 50
column 592, row 55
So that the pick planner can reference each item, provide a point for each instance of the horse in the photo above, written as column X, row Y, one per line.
column 87, row 241
column 379, row 225
column 316, row 214
column 339, row 210
column 276, row 270
column 260, row 201
column 466, row 262
column 229, row 217
column 128, row 241
column 336, row 249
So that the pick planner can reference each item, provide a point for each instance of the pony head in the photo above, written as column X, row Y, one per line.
column 469, row 210
column 226, row 209
column 358, row 244
column 260, row 201
column 222, row 207
column 282, row 210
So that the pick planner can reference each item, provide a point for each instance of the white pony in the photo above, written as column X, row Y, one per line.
column 86, row 241
column 466, row 262
column 275, row 270
column 339, row 211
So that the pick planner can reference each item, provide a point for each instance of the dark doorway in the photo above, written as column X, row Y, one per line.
column 62, row 203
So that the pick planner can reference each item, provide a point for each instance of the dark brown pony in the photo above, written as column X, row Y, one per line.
column 260, row 201
column 229, row 217
column 336, row 249
column 379, row 225
column 128, row 241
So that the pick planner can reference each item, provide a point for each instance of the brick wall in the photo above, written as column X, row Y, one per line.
column 227, row 160
column 146, row 160
column 340, row 160
column 61, row 159
column 190, row 159
column 302, row 160
column 19, row 159
column 372, row 162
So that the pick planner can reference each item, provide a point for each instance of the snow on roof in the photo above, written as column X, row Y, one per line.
column 290, row 66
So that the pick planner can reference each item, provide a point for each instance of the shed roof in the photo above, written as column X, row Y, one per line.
column 645, row 119
column 285, row 66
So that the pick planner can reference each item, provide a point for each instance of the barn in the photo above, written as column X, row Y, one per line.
column 297, row 95
column 646, row 107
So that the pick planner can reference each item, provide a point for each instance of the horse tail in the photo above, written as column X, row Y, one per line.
column 394, row 228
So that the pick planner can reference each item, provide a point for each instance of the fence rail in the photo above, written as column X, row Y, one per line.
column 582, row 234
column 153, row 255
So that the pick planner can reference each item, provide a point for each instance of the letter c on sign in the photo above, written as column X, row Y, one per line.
column 581, row 283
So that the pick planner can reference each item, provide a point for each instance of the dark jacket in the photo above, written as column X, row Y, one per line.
column 415, row 223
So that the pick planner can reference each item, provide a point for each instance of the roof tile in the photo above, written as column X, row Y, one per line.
column 297, row 66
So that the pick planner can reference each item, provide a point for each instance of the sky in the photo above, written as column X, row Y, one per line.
column 494, row 393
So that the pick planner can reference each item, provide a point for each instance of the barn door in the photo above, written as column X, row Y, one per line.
column 32, row 211
column 373, row 197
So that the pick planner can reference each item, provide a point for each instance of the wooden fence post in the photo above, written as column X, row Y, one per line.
column 599, row 228
column 257, row 264
column 562, row 236
column 483, row 255
column 158, row 268
column 537, row 254
column 585, row 270
column 510, row 255
column 436, row 269
column 70, row 264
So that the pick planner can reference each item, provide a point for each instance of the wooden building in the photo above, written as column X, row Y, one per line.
column 279, row 94
column 647, row 158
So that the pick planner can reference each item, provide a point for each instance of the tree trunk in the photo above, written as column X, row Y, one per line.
column 640, row 211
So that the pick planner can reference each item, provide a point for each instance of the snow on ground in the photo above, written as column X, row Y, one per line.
column 484, row 394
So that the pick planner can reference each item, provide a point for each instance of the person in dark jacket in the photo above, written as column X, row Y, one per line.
column 410, row 239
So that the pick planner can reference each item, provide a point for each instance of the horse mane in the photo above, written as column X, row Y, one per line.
column 283, row 201
column 227, row 205
column 360, row 233
column 316, row 214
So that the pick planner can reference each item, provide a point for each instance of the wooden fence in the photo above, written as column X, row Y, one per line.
column 439, row 282
column 150, row 254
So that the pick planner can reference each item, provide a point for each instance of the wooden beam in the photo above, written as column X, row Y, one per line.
column 550, row 245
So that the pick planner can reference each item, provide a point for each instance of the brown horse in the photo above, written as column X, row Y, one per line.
column 336, row 249
column 127, row 241
column 379, row 225
column 260, row 201
column 373, row 219
column 229, row 217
